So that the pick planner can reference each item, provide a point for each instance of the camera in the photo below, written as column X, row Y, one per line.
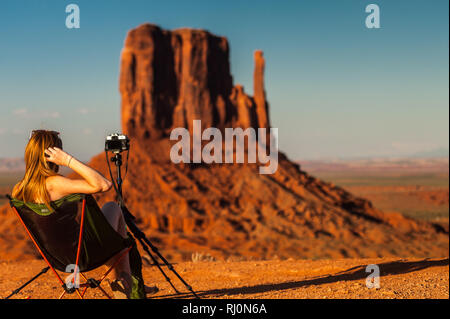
column 117, row 143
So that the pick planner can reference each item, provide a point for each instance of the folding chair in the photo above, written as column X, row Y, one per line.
column 75, row 234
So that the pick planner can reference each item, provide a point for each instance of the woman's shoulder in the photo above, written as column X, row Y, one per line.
column 53, row 184
column 52, row 181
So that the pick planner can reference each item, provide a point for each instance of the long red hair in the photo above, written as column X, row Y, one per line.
column 32, row 187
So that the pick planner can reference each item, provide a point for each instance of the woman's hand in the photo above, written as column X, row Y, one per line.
column 57, row 156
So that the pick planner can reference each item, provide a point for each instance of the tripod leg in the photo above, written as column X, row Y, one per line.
column 43, row 271
column 169, row 265
column 129, row 220
column 157, row 264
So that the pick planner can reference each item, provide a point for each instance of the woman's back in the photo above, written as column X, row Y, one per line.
column 42, row 183
column 53, row 194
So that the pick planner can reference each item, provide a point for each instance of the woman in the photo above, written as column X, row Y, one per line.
column 42, row 184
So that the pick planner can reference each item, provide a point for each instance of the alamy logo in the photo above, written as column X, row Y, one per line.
column 73, row 280
column 212, row 151
column 73, row 19
column 373, row 280
column 373, row 19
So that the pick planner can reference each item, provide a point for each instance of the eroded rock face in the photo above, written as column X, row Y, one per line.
column 262, row 107
column 245, row 108
column 170, row 78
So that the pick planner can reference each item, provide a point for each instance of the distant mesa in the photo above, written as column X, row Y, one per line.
column 439, row 152
column 8, row 165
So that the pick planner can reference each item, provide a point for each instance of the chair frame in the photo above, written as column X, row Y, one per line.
column 89, row 283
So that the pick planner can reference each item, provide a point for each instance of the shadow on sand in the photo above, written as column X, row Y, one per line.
column 355, row 273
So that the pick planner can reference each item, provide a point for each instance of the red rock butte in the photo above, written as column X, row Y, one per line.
column 170, row 78
column 167, row 80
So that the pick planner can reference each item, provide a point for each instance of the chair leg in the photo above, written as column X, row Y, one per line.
column 81, row 295
column 99, row 287
column 115, row 263
column 62, row 295
column 78, row 293
column 122, row 255
column 84, row 291
column 104, row 292
column 85, row 288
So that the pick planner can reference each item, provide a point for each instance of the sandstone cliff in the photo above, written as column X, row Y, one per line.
column 170, row 78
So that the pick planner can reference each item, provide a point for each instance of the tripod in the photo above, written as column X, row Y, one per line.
column 43, row 271
column 137, row 233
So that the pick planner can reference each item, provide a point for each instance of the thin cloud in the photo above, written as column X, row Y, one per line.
column 84, row 111
column 38, row 114
column 87, row 131
column 53, row 115
column 20, row 112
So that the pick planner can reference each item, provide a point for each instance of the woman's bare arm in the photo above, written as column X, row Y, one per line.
column 92, row 182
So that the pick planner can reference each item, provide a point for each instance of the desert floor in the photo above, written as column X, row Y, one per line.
column 416, row 192
column 344, row 278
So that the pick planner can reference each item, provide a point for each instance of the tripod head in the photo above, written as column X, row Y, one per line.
column 117, row 159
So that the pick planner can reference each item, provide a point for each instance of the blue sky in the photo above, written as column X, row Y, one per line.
column 336, row 88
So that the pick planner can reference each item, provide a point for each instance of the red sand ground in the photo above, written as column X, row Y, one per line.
column 323, row 279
